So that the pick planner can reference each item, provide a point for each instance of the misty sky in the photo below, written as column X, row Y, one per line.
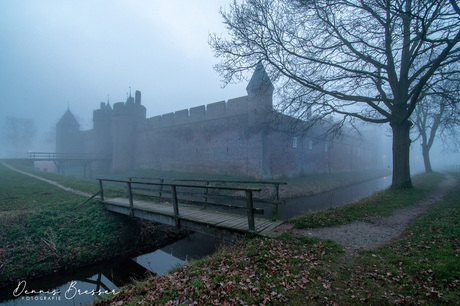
column 60, row 53
column 64, row 53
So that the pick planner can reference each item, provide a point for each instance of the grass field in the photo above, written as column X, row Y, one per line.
column 45, row 229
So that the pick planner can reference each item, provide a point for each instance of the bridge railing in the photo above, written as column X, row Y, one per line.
column 271, row 196
column 155, row 191
column 132, row 184
column 68, row 156
column 274, row 184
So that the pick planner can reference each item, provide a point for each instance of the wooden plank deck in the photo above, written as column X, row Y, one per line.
column 190, row 217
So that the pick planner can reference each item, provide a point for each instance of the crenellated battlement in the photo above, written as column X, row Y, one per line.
column 103, row 114
column 216, row 110
column 132, row 109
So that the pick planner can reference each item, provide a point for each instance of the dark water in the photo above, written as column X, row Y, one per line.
column 84, row 286
column 298, row 206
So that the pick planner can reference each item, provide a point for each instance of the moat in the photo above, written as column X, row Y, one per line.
column 328, row 199
column 83, row 286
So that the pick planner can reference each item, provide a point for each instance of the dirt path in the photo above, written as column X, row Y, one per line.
column 48, row 181
column 379, row 230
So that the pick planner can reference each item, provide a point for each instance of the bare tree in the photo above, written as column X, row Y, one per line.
column 19, row 133
column 437, row 116
column 366, row 60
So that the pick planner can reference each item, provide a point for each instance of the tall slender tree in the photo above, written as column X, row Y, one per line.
column 367, row 60
column 438, row 116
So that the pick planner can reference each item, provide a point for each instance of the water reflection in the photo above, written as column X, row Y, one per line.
column 159, row 261
column 298, row 206
column 76, row 292
column 195, row 246
column 84, row 286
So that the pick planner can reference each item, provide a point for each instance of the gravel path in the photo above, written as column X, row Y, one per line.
column 380, row 230
column 48, row 181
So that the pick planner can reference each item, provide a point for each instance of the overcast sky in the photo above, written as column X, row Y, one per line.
column 57, row 54
column 73, row 53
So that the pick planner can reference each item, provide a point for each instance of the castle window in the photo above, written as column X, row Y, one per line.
column 325, row 147
column 294, row 142
column 310, row 144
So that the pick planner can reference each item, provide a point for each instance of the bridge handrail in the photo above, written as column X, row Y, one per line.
column 182, row 185
column 54, row 155
column 248, row 191
column 276, row 185
column 230, row 181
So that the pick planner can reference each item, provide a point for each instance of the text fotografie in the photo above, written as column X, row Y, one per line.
column 71, row 292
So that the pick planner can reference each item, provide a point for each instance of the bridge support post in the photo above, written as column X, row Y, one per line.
column 250, row 211
column 206, row 193
column 101, row 190
column 131, row 203
column 276, row 202
column 160, row 191
column 175, row 205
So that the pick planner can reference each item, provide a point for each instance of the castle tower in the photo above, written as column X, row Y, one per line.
column 102, row 117
column 138, row 97
column 260, row 109
column 126, row 118
column 99, row 144
column 68, row 135
column 102, row 130
column 260, row 95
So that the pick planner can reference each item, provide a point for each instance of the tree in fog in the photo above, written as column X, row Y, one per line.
column 367, row 60
column 19, row 134
column 438, row 116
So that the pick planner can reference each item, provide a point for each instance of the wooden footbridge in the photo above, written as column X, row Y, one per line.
column 201, row 206
column 60, row 159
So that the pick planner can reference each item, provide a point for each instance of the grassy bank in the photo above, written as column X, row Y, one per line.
column 85, row 185
column 380, row 204
column 295, row 187
column 420, row 268
column 44, row 229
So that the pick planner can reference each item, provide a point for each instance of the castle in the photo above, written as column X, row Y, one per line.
column 234, row 137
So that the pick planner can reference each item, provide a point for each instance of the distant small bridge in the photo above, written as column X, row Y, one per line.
column 221, row 211
column 66, row 156
column 59, row 159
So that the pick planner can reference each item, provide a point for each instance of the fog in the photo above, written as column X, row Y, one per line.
column 441, row 158
column 76, row 54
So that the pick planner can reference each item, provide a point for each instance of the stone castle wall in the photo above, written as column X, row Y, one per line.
column 217, row 110
column 213, row 138
column 223, row 139
column 236, row 137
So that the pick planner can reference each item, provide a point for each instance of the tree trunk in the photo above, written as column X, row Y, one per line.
column 426, row 158
column 401, row 162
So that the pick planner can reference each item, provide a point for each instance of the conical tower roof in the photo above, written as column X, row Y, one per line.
column 260, row 81
column 68, row 119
